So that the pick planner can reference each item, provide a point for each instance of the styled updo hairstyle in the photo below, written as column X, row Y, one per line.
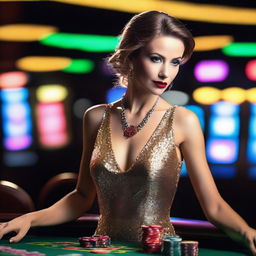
column 140, row 30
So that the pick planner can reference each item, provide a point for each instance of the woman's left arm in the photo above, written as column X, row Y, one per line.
column 215, row 208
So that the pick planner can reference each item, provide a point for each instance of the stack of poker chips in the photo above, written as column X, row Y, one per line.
column 95, row 241
column 189, row 248
column 152, row 236
column 171, row 246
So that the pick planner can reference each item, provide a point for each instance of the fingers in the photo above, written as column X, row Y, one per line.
column 19, row 236
column 4, row 229
column 252, row 247
column 251, row 241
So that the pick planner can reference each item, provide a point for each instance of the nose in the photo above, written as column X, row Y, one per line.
column 163, row 73
column 162, row 76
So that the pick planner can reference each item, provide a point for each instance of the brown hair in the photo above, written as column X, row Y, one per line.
column 141, row 29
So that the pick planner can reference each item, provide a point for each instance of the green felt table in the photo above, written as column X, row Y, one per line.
column 55, row 246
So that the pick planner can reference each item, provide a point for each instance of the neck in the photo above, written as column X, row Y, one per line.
column 138, row 103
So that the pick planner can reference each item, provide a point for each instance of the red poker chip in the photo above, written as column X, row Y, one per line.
column 151, row 241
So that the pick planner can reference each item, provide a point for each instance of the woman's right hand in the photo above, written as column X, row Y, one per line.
column 20, row 225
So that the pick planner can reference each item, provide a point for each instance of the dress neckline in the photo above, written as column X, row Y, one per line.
column 109, row 138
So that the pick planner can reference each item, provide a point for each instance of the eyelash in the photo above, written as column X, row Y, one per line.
column 176, row 62
column 157, row 59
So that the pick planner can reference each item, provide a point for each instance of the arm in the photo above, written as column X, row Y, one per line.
column 73, row 204
column 215, row 208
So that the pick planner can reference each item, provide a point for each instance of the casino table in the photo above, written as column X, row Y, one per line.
column 70, row 247
column 63, row 240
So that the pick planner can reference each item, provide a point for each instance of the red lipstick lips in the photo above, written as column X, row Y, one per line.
column 160, row 84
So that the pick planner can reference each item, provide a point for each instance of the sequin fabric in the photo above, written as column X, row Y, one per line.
column 144, row 193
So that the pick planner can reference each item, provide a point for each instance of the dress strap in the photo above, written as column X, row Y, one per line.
column 172, row 115
column 102, row 127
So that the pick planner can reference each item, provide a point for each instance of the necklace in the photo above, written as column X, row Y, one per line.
column 130, row 130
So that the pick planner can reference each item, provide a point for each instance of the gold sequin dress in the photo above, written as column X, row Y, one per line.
column 144, row 193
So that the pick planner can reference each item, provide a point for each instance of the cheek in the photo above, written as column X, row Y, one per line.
column 150, row 69
column 175, row 72
column 144, row 70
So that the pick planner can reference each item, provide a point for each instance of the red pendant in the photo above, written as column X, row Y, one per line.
column 130, row 131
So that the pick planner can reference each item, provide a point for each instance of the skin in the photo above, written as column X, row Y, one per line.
column 157, row 61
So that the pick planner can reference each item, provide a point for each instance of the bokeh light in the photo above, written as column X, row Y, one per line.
column 43, row 63
column 207, row 95
column 250, row 70
column 90, row 43
column 51, row 93
column 212, row 42
column 25, row 32
column 176, row 97
column 80, row 107
column 115, row 93
column 240, row 49
column 14, row 79
column 211, row 70
column 222, row 151
column 235, row 95
column 80, row 66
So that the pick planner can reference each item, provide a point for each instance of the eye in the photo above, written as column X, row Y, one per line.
column 155, row 59
column 175, row 62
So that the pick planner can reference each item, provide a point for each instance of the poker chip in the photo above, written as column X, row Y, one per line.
column 152, row 238
column 171, row 246
column 189, row 248
column 96, row 241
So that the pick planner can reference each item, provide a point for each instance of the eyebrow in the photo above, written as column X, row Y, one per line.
column 176, row 58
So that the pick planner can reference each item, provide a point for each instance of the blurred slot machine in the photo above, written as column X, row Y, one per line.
column 18, row 125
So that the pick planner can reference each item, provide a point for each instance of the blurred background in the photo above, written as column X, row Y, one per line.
column 52, row 69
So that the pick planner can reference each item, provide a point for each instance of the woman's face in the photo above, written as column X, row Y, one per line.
column 157, row 64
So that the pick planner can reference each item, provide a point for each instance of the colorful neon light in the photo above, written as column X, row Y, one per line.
column 211, row 71
column 222, row 151
column 17, row 123
column 250, row 70
column 14, row 95
column 90, row 43
column 236, row 95
column 25, row 32
column 115, row 94
column 207, row 95
column 240, row 49
column 14, row 79
column 18, row 142
column 180, row 9
column 227, row 126
column 80, row 66
column 207, row 43
column 251, row 150
column 251, row 95
column 224, row 108
column 224, row 128
column 51, row 93
column 43, row 63
column 252, row 126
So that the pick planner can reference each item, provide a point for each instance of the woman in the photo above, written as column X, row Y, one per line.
column 135, row 168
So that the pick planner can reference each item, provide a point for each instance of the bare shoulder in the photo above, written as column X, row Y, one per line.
column 93, row 115
column 186, row 119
